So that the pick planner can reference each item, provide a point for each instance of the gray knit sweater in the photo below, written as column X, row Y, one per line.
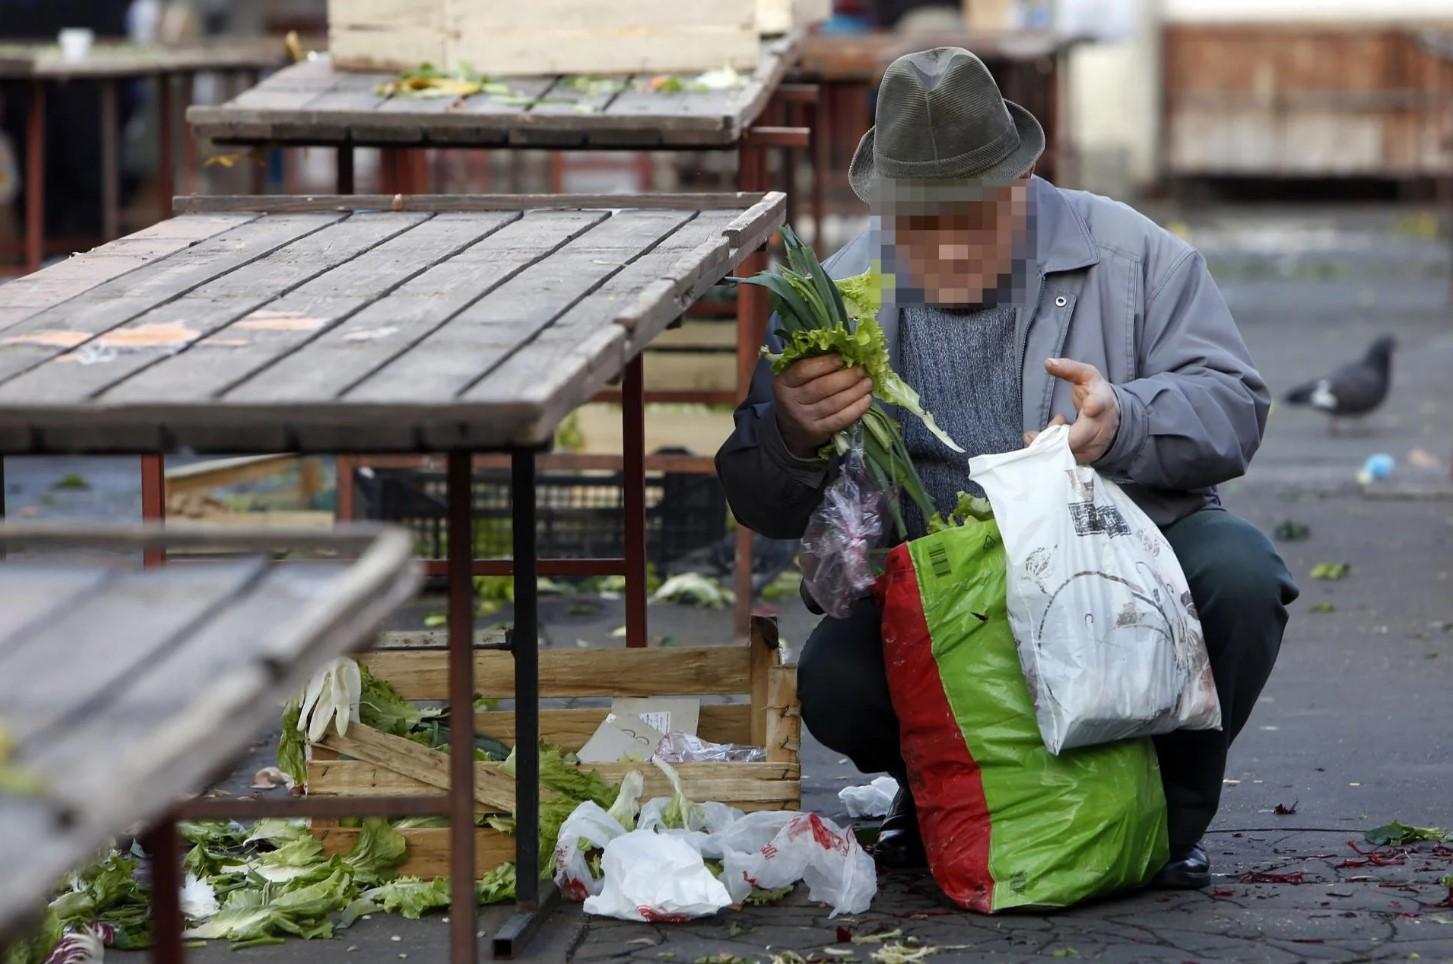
column 962, row 364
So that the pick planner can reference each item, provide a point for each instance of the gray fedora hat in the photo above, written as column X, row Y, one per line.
column 941, row 119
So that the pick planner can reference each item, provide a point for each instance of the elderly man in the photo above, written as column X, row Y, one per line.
column 1015, row 305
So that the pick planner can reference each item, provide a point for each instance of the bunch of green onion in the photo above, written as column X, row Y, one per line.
column 819, row 316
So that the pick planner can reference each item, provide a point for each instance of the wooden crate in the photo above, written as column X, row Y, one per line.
column 369, row 763
column 546, row 36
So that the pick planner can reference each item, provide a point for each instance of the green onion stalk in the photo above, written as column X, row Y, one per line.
column 820, row 316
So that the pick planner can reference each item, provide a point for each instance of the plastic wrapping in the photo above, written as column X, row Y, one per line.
column 843, row 529
column 871, row 799
column 678, row 747
column 1107, row 633
column 1005, row 823
column 659, row 873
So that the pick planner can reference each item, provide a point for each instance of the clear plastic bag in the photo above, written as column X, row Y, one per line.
column 846, row 526
column 678, row 747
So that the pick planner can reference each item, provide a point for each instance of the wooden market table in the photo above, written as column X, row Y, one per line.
column 108, row 64
column 312, row 104
column 123, row 688
column 382, row 325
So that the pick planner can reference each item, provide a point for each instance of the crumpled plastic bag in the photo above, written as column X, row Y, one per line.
column 588, row 823
column 842, row 530
column 655, row 877
column 803, row 847
column 678, row 747
column 647, row 875
column 870, row 799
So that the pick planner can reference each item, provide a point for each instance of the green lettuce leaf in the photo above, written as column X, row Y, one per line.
column 497, row 885
column 411, row 896
column 377, row 852
column 292, row 756
column 862, row 293
column 1396, row 834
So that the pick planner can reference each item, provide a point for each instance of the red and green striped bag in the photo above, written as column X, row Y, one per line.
column 1005, row 822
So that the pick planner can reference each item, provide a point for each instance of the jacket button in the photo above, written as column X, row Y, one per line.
column 1060, row 302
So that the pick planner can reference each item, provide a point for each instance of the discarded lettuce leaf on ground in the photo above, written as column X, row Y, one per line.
column 1396, row 834
column 694, row 589
column 1289, row 530
column 1330, row 570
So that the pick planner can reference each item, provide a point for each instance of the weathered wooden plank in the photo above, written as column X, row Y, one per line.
column 370, row 339
column 230, row 355
column 687, row 671
column 74, row 276
column 347, row 91
column 74, row 321
column 32, row 592
column 161, row 689
column 342, row 203
column 57, row 672
column 427, row 853
column 570, row 729
column 744, row 785
column 164, row 331
column 492, row 790
column 466, row 349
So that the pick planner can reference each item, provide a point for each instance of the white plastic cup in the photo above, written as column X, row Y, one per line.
column 76, row 43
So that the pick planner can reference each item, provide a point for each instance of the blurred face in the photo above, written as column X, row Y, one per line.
column 958, row 249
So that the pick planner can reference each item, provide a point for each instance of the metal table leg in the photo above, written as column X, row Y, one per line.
column 531, row 909
column 344, row 162
column 633, row 468
column 166, row 142
column 153, row 501
column 166, row 891
column 35, row 177
column 110, row 163
column 460, row 498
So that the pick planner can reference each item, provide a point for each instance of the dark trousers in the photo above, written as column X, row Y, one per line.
column 1241, row 589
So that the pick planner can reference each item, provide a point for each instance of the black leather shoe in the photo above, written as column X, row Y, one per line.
column 1188, row 870
column 899, row 843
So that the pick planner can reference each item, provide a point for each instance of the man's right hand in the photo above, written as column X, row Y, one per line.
column 817, row 397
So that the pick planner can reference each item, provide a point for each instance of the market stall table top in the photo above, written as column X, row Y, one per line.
column 312, row 103
column 124, row 688
column 115, row 59
column 37, row 65
column 356, row 324
column 382, row 324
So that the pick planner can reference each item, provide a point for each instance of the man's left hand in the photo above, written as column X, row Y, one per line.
column 1097, row 409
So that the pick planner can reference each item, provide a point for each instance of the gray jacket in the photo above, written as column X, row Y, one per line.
column 1106, row 286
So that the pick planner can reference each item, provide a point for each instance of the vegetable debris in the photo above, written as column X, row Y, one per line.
column 428, row 81
column 819, row 317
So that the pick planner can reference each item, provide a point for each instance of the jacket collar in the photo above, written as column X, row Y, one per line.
column 1062, row 241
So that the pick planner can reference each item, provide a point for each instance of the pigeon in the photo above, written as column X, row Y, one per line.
column 1354, row 389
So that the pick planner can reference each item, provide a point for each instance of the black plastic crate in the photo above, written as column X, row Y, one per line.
column 578, row 514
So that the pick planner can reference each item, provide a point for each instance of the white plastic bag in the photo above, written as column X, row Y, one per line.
column 871, row 799
column 764, row 850
column 1102, row 615
column 655, row 877
column 588, row 823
